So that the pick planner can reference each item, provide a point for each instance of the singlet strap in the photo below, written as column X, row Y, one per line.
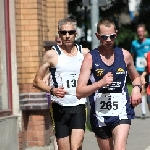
column 58, row 51
column 56, row 48
column 79, row 47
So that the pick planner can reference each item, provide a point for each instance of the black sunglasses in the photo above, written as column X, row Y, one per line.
column 105, row 37
column 64, row 32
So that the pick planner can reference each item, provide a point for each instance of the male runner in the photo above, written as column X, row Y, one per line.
column 64, row 63
column 111, row 107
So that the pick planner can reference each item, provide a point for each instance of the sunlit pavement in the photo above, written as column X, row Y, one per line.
column 139, row 136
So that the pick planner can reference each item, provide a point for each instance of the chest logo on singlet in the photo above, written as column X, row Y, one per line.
column 97, row 64
column 99, row 72
column 120, row 71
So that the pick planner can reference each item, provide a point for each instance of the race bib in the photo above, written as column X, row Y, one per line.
column 108, row 104
column 140, row 62
column 69, row 81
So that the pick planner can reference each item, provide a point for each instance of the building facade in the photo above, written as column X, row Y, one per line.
column 28, row 28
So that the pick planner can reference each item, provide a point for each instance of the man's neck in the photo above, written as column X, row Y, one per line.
column 107, row 53
column 142, row 40
column 68, row 49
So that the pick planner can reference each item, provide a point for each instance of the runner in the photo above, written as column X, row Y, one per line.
column 64, row 63
column 138, row 49
column 111, row 107
column 143, row 76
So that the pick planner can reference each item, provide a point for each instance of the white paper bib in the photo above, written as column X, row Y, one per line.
column 140, row 62
column 108, row 104
column 69, row 81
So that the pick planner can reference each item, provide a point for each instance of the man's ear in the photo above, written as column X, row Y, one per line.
column 145, row 33
column 116, row 32
column 97, row 35
column 76, row 34
column 59, row 35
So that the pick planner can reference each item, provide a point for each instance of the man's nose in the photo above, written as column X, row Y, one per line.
column 108, row 39
column 67, row 35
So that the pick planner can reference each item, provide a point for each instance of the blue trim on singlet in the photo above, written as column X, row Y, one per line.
column 119, row 75
column 53, row 71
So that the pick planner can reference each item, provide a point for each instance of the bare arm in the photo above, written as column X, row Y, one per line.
column 145, row 72
column 46, row 78
column 134, row 76
column 38, row 80
column 84, row 90
column 85, row 51
column 135, row 97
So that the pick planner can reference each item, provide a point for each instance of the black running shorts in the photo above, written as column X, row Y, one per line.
column 67, row 118
column 106, row 131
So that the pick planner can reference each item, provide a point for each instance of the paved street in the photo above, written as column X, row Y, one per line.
column 139, row 137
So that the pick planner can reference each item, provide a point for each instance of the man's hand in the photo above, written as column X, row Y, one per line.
column 107, row 79
column 143, row 80
column 136, row 97
column 59, row 92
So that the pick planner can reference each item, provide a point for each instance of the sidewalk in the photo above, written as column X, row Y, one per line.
column 139, row 136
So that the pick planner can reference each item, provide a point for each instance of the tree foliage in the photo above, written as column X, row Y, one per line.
column 144, row 13
column 77, row 10
column 126, row 32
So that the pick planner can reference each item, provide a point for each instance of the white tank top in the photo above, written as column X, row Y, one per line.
column 66, row 74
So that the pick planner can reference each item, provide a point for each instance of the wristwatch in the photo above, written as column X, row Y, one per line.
column 139, row 87
column 51, row 91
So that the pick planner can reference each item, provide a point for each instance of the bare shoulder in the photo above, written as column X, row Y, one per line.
column 127, row 56
column 49, row 56
column 88, row 57
column 85, row 51
column 50, row 53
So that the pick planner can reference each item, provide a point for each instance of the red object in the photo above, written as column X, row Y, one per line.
column 148, row 90
column 148, row 62
column 8, row 53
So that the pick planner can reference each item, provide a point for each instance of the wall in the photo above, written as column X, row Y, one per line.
column 36, row 23
column 8, row 132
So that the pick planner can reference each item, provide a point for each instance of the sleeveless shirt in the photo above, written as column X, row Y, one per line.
column 119, row 71
column 66, row 65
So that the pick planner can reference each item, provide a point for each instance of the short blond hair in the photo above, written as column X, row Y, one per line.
column 141, row 25
column 106, row 22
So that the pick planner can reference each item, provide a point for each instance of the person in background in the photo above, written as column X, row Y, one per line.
column 58, row 40
column 64, row 62
column 138, row 48
column 144, row 74
column 103, row 78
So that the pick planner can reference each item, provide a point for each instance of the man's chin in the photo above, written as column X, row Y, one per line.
column 108, row 47
column 68, row 44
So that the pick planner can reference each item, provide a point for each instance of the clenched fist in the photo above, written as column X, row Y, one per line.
column 107, row 79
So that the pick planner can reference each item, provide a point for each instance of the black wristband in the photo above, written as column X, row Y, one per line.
column 51, row 91
column 139, row 87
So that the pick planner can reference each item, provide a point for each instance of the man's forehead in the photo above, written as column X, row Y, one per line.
column 67, row 25
column 140, row 29
column 107, row 29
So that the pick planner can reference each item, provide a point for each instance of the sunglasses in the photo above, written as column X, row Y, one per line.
column 64, row 32
column 105, row 37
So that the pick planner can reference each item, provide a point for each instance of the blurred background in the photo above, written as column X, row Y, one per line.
column 28, row 28
column 126, row 14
